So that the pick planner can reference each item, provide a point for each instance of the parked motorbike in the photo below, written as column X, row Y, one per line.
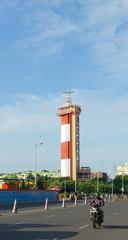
column 96, row 216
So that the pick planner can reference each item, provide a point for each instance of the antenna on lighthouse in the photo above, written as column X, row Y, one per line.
column 68, row 99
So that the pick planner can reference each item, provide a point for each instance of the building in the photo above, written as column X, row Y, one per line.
column 51, row 174
column 84, row 173
column 122, row 169
column 70, row 143
column 99, row 174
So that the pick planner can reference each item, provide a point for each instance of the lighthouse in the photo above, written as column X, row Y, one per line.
column 70, row 137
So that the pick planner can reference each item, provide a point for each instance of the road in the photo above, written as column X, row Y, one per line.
column 71, row 222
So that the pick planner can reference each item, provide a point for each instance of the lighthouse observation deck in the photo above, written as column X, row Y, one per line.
column 68, row 108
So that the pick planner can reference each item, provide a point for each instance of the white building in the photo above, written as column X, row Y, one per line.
column 122, row 169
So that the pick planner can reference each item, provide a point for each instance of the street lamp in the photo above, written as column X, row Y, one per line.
column 113, row 175
column 65, row 186
column 111, row 178
column 122, row 188
column 97, row 182
column 112, row 186
column 75, row 185
column 36, row 153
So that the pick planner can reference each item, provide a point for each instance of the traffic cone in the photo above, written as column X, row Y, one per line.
column 112, row 199
column 105, row 199
column 46, row 204
column 75, row 201
column 85, row 201
column 14, row 210
column 63, row 203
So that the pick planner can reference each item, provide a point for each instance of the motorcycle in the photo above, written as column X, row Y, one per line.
column 96, row 216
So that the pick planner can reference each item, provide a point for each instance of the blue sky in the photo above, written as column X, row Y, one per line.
column 50, row 46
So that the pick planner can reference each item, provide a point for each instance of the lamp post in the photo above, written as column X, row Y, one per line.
column 111, row 178
column 122, row 188
column 97, row 182
column 65, row 186
column 36, row 154
column 112, row 186
column 75, row 185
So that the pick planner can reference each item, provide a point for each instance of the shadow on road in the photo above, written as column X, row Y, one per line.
column 116, row 226
column 32, row 235
column 31, row 231
column 27, row 226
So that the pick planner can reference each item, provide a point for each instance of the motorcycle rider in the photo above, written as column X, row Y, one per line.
column 98, row 202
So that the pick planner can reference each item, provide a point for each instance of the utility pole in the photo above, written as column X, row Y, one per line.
column 97, row 184
column 36, row 159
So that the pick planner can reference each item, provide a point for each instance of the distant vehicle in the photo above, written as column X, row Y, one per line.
column 55, row 188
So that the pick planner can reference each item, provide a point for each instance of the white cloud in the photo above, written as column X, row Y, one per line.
column 25, row 112
column 21, row 123
column 8, row 4
column 48, row 33
column 100, row 27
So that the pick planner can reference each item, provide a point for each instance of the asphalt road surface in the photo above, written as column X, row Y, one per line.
column 71, row 222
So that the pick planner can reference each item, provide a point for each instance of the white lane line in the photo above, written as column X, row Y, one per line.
column 50, row 216
column 115, row 213
column 83, row 227
column 13, row 224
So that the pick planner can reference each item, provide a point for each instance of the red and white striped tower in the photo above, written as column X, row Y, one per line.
column 70, row 146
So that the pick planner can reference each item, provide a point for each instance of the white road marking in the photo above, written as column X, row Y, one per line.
column 13, row 224
column 115, row 213
column 50, row 216
column 83, row 227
